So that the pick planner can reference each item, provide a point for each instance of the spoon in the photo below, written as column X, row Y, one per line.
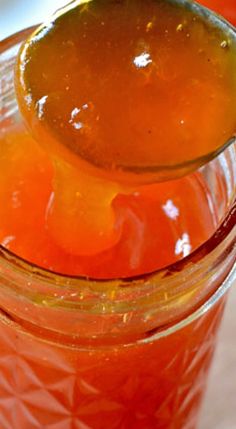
column 136, row 91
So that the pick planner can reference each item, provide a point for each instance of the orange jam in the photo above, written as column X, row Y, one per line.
column 157, row 224
column 130, row 83
column 126, row 86
column 156, row 82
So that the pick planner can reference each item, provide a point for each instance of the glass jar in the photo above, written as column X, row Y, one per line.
column 121, row 354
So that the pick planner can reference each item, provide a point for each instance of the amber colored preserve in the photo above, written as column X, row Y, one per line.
column 78, row 349
column 123, row 87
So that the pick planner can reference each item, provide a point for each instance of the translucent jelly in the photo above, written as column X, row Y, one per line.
column 82, row 354
column 123, row 83
column 127, row 86
column 158, row 224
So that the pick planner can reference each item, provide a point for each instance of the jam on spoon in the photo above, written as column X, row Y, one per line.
column 131, row 85
column 122, row 93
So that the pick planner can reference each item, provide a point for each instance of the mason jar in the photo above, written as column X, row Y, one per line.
column 77, row 353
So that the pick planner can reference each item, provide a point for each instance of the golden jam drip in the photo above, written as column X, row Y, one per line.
column 122, row 86
column 155, row 225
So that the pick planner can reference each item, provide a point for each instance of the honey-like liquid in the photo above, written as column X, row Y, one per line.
column 156, row 225
column 49, row 377
column 122, row 85
column 130, row 83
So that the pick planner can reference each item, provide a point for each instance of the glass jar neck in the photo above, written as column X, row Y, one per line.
column 85, row 310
